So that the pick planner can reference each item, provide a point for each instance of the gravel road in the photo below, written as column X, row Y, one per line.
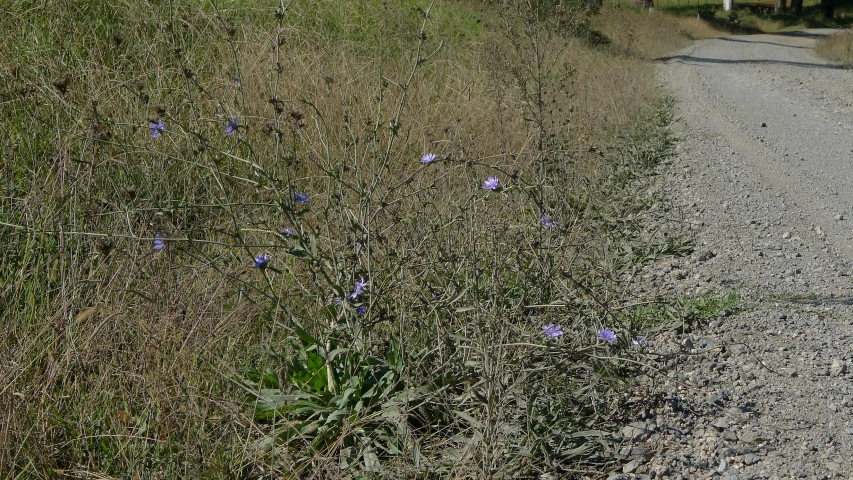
column 763, row 184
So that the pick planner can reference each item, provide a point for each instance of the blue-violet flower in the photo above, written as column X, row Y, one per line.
column 359, row 289
column 159, row 244
column 232, row 126
column 607, row 335
column 157, row 128
column 493, row 184
column 261, row 261
column 552, row 331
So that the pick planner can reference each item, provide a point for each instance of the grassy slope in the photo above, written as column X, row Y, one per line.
column 123, row 360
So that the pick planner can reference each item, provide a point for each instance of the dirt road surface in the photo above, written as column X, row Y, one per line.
column 763, row 183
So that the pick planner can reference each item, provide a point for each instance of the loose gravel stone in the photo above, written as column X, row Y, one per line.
column 838, row 367
column 763, row 390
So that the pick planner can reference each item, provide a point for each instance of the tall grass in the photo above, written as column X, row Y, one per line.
column 837, row 47
column 255, row 241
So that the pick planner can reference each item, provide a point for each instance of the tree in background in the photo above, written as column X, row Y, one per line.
column 796, row 7
column 828, row 8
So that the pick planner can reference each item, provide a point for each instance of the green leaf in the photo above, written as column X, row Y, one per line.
column 304, row 336
column 318, row 381
column 371, row 461
column 298, row 252
column 468, row 418
column 588, row 433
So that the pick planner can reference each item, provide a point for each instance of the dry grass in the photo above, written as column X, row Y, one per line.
column 122, row 360
column 650, row 35
column 837, row 47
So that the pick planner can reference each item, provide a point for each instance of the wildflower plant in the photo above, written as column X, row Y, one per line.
column 392, row 331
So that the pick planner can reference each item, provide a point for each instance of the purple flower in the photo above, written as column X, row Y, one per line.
column 361, row 310
column 359, row 289
column 156, row 128
column 547, row 222
column 261, row 261
column 607, row 335
column 493, row 184
column 639, row 341
column 288, row 231
column 300, row 197
column 428, row 158
column 552, row 331
column 237, row 81
column 159, row 244
column 232, row 126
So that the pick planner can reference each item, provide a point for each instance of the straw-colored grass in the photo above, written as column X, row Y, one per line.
column 837, row 47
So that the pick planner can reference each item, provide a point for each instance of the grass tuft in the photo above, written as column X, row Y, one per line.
column 837, row 47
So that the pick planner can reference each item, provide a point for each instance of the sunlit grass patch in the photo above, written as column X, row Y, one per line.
column 837, row 47
column 685, row 312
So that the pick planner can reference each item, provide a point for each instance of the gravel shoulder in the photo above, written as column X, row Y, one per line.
column 763, row 184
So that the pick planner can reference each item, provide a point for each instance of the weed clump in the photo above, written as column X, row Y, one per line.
column 837, row 47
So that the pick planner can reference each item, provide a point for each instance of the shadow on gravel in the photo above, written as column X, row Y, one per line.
column 800, row 34
column 718, row 61
column 732, row 39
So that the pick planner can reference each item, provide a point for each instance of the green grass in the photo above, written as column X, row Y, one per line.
column 121, row 360
column 686, row 312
